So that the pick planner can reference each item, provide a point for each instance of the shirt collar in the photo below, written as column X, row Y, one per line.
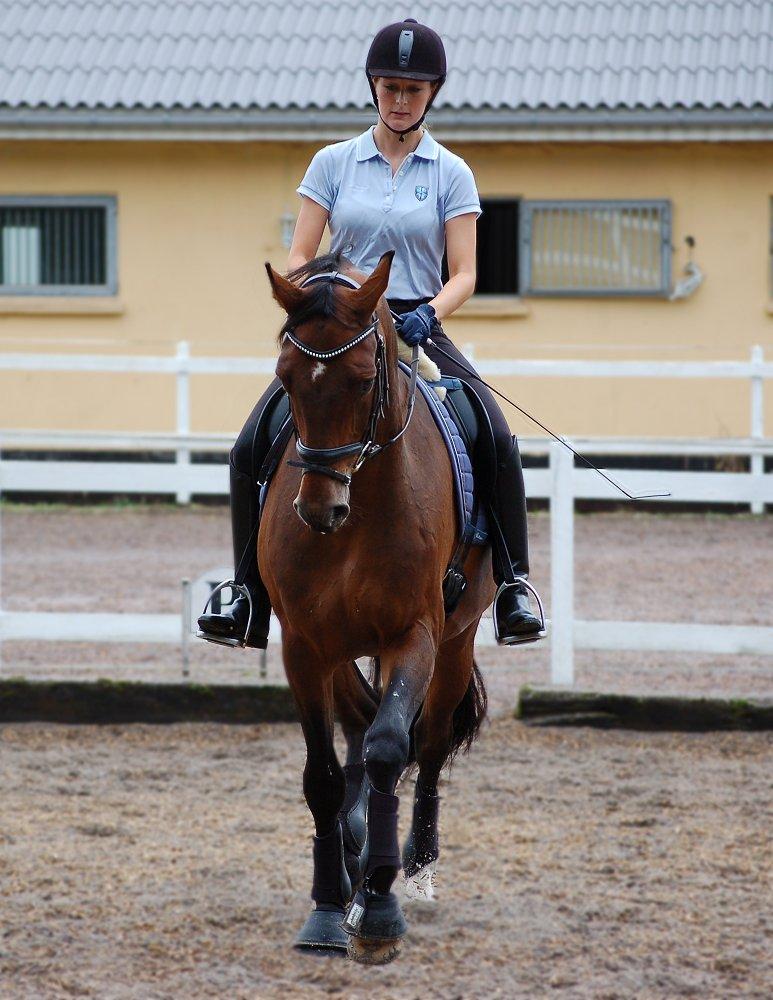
column 367, row 149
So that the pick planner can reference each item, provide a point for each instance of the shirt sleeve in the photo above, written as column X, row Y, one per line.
column 318, row 182
column 462, row 195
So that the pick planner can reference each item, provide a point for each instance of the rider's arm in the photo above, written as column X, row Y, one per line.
column 308, row 233
column 460, row 249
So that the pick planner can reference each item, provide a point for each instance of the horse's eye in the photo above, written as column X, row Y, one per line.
column 365, row 387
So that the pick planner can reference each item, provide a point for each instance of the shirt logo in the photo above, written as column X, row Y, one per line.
column 421, row 192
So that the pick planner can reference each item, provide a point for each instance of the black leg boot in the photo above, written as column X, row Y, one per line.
column 229, row 625
column 514, row 619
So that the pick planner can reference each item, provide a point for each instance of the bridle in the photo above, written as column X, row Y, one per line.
column 320, row 459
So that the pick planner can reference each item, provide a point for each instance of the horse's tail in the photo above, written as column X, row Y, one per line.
column 469, row 714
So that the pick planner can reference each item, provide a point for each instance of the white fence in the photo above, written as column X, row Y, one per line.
column 560, row 482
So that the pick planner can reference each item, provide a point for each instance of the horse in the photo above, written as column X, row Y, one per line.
column 357, row 530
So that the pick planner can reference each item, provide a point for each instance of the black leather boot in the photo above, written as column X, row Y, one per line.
column 514, row 620
column 229, row 625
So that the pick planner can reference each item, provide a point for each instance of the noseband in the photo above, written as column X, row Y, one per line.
column 320, row 459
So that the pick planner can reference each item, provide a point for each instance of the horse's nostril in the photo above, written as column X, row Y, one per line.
column 340, row 511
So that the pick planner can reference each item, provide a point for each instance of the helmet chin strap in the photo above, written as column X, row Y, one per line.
column 402, row 133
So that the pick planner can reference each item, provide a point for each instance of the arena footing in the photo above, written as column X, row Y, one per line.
column 547, row 707
column 107, row 701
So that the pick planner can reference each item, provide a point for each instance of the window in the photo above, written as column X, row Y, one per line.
column 596, row 248
column 497, row 248
column 57, row 246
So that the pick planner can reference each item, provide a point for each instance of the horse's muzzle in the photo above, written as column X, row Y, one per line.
column 324, row 518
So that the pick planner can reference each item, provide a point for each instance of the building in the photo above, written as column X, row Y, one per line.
column 149, row 155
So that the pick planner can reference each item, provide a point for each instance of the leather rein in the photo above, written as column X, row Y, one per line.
column 320, row 459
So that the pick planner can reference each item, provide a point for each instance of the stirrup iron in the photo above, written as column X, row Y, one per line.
column 223, row 640
column 531, row 589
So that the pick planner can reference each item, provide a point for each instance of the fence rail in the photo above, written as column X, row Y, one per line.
column 560, row 482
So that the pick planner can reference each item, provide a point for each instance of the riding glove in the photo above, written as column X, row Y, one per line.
column 416, row 326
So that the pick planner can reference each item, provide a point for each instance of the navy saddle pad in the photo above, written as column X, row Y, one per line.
column 471, row 516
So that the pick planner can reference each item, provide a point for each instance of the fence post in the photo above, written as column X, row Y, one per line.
column 561, row 565
column 183, row 455
column 757, row 464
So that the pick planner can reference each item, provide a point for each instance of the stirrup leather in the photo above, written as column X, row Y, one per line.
column 223, row 640
column 528, row 638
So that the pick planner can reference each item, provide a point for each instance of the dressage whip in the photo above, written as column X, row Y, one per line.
column 557, row 437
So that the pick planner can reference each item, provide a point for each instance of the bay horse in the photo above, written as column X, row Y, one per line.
column 354, row 541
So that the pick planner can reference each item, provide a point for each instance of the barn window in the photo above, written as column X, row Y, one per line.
column 599, row 248
column 57, row 246
column 497, row 248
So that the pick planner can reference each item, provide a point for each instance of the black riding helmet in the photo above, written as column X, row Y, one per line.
column 410, row 50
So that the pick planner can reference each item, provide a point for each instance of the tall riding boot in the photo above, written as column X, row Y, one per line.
column 514, row 619
column 229, row 625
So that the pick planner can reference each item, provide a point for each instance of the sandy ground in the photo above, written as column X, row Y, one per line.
column 678, row 567
column 174, row 862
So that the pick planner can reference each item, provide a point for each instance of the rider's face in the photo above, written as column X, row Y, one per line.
column 401, row 102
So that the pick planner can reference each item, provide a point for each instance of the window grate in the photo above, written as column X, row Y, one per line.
column 596, row 247
column 57, row 246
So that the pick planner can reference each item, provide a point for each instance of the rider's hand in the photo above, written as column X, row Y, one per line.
column 416, row 326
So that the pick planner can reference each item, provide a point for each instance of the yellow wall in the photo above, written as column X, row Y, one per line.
column 197, row 220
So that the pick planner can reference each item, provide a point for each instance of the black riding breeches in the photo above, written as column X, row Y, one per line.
column 243, row 453
column 459, row 367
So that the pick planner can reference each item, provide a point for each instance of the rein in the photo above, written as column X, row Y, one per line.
column 320, row 459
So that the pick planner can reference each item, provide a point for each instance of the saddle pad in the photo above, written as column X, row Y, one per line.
column 470, row 516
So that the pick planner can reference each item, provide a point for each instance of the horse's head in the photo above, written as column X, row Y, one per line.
column 331, row 363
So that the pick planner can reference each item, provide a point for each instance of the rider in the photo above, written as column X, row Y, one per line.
column 392, row 188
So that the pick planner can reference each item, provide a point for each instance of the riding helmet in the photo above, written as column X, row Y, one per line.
column 410, row 50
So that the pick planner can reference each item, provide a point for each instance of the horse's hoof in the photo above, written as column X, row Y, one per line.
column 421, row 885
column 375, row 924
column 368, row 952
column 323, row 934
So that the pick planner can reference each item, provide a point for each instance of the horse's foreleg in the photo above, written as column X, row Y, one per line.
column 374, row 919
column 434, row 737
column 311, row 681
column 356, row 706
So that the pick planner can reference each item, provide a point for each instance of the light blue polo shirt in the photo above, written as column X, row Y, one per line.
column 371, row 212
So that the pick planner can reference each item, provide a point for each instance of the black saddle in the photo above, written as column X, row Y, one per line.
column 470, row 416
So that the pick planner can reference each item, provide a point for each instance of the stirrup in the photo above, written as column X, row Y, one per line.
column 223, row 640
column 527, row 638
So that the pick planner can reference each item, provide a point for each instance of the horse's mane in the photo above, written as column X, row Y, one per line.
column 321, row 300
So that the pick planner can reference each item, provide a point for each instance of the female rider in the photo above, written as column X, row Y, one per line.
column 392, row 188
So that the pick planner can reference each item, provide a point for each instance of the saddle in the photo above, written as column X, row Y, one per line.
column 465, row 429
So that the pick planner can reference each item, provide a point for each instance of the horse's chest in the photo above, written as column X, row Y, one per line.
column 360, row 585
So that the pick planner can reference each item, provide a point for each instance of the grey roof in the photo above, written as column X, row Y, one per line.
column 308, row 54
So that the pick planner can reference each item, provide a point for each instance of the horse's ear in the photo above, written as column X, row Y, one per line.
column 365, row 298
column 288, row 295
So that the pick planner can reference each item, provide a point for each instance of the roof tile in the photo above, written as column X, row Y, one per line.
column 512, row 54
